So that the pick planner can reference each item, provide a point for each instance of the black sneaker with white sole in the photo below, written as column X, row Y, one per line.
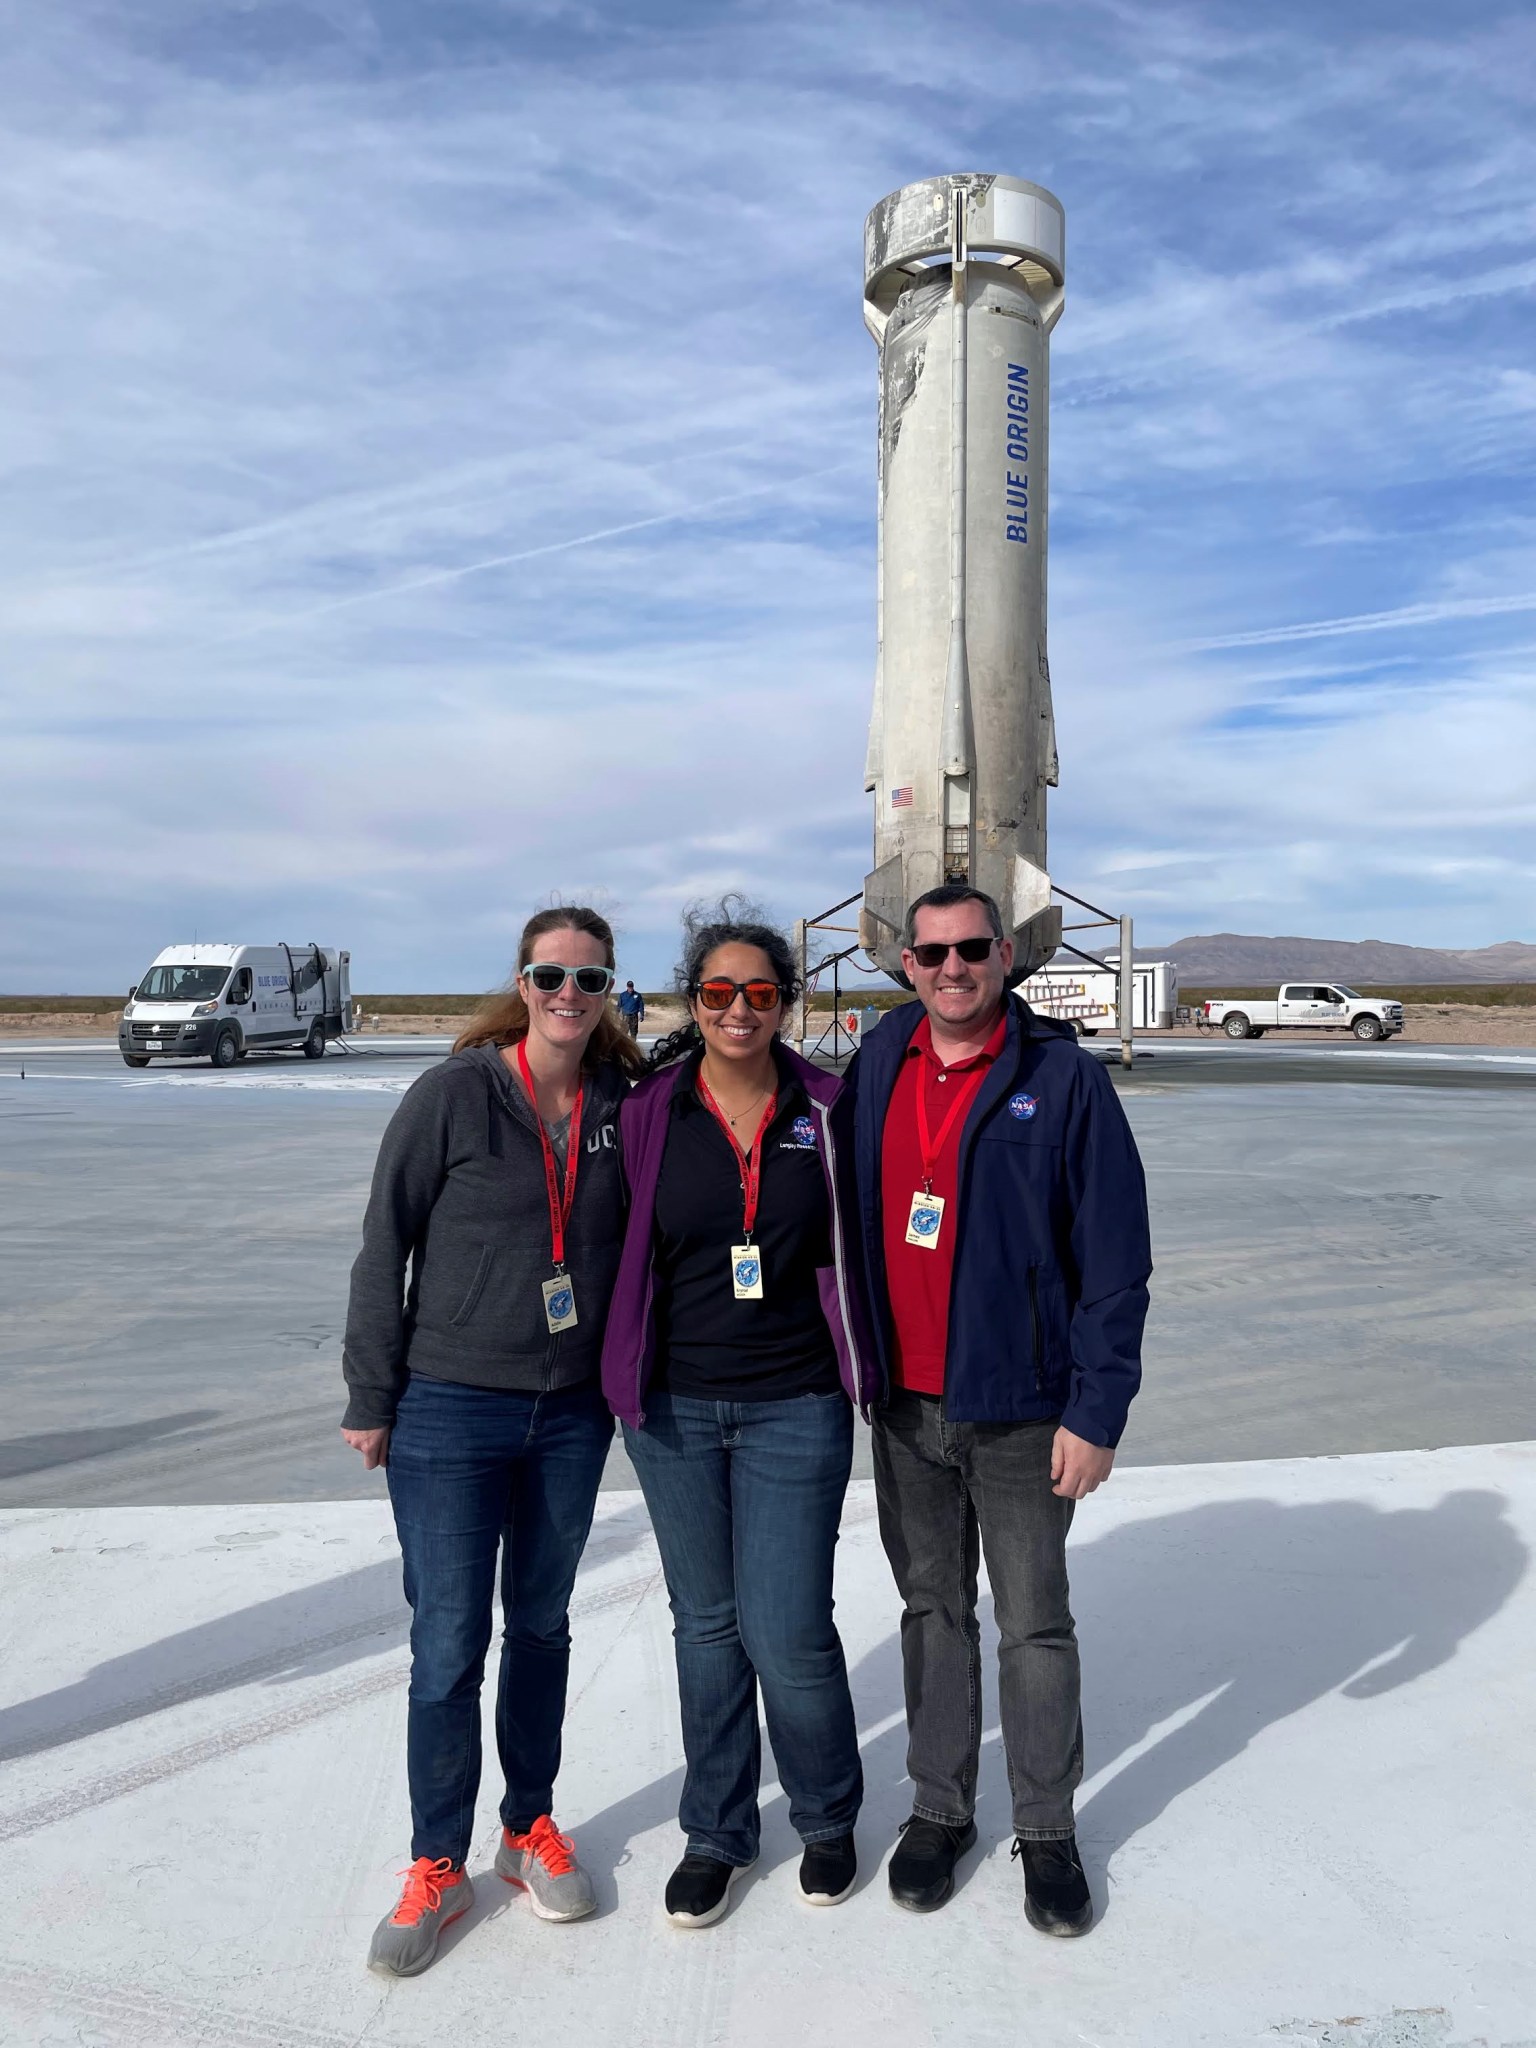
column 828, row 1871
column 699, row 1890
column 1056, row 1896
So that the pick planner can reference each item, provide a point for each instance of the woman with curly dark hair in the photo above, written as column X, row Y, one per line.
column 476, row 1387
column 735, row 1354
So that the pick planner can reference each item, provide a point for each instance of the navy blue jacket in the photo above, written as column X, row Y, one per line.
column 1053, row 1252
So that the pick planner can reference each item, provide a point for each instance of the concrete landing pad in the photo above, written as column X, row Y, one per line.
column 1338, row 1267
column 1309, row 1815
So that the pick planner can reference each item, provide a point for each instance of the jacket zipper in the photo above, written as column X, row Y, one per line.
column 645, row 1327
column 1035, row 1336
column 839, row 1256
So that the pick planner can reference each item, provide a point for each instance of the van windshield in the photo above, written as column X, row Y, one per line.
column 181, row 984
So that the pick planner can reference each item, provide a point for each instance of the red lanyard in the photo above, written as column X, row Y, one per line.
column 560, row 1199
column 750, row 1162
column 930, row 1146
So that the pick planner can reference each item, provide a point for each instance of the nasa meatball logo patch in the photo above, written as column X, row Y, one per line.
column 1023, row 1106
column 802, row 1133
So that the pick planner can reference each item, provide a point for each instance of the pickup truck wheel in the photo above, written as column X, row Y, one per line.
column 1366, row 1029
column 314, row 1044
column 134, row 1059
column 1235, row 1026
column 226, row 1049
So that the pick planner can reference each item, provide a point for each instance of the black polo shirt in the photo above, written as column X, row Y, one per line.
column 710, row 1346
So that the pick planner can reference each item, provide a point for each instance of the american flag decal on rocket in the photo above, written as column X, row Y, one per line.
column 901, row 799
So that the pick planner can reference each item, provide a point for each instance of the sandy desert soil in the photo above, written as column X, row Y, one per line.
column 1426, row 1024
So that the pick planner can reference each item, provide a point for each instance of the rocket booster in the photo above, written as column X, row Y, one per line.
column 964, row 278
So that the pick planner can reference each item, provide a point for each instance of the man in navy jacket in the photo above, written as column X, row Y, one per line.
column 1004, row 1224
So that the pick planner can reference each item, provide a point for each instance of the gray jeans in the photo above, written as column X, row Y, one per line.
column 947, row 1490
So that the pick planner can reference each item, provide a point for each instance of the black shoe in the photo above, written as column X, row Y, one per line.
column 828, row 1871
column 699, row 1890
column 922, row 1871
column 1056, row 1899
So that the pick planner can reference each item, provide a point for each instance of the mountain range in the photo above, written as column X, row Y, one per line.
column 1236, row 958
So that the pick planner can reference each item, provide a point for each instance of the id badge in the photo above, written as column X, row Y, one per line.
column 560, row 1303
column 925, row 1219
column 746, row 1272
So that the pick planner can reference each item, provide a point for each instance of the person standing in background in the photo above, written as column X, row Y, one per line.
column 1004, row 1222
column 631, row 1008
column 476, row 1388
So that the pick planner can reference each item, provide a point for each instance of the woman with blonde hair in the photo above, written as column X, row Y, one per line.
column 476, row 1387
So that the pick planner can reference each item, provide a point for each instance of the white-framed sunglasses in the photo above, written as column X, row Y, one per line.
column 548, row 977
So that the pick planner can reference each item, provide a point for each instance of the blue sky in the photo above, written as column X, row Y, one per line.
column 439, row 463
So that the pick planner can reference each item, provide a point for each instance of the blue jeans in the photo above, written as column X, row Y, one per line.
column 745, row 1498
column 472, row 1469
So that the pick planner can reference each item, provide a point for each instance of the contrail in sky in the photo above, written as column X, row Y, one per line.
column 553, row 547
column 1370, row 622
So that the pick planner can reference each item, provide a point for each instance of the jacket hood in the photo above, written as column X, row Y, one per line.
column 821, row 1086
column 605, row 1084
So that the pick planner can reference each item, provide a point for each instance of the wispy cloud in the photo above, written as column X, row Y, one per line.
column 1374, row 622
column 440, row 462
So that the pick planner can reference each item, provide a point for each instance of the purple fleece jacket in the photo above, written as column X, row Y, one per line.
column 629, row 1345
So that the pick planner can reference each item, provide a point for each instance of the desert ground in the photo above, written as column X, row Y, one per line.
column 1425, row 1023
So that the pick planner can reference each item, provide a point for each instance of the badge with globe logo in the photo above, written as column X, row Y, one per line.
column 746, row 1272
column 925, row 1219
column 560, row 1302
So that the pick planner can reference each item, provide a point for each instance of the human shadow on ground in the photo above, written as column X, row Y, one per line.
column 1252, row 1607
column 298, row 1635
column 1257, row 1609
column 21, row 1456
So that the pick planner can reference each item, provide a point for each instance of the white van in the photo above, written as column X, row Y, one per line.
column 221, row 1002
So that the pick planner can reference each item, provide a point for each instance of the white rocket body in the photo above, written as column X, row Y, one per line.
column 964, row 280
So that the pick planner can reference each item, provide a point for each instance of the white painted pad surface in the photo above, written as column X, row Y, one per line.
column 1310, row 1814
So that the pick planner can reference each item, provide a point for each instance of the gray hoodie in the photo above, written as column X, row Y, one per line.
column 459, row 1194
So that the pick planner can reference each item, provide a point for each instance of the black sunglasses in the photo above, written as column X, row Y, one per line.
column 548, row 979
column 934, row 952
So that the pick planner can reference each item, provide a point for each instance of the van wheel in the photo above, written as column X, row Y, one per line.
column 314, row 1045
column 226, row 1050
column 1235, row 1026
column 1366, row 1028
column 134, row 1059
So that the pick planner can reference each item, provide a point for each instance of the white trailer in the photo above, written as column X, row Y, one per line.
column 1088, row 996
column 221, row 1002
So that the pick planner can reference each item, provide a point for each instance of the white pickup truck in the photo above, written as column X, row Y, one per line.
column 1309, row 1006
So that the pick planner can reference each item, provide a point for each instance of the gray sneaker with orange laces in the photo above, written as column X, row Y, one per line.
column 435, row 1894
column 543, row 1864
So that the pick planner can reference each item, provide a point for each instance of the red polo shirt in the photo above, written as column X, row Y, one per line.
column 917, row 1279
